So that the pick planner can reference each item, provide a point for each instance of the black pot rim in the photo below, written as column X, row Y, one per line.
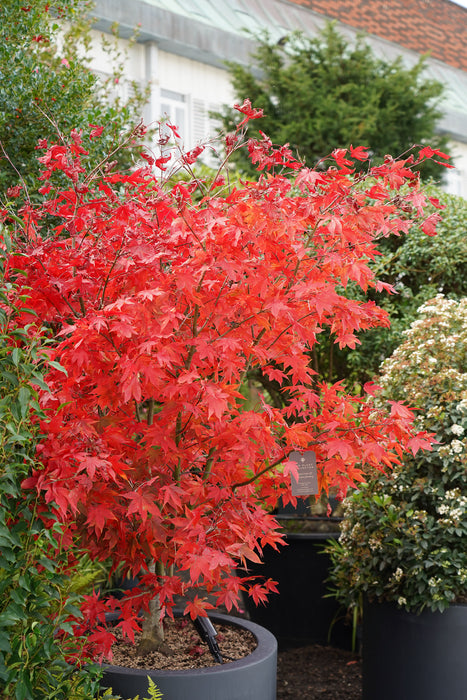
column 266, row 644
column 318, row 536
column 427, row 612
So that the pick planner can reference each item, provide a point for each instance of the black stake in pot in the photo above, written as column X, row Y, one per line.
column 208, row 634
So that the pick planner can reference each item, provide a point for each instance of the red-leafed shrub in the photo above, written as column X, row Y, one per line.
column 163, row 296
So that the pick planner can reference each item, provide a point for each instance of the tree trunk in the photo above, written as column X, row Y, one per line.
column 152, row 638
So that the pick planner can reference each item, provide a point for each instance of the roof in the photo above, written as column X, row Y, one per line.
column 435, row 26
column 215, row 31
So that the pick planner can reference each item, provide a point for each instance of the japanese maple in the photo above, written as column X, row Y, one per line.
column 163, row 296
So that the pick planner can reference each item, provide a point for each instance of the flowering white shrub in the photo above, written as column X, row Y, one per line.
column 404, row 535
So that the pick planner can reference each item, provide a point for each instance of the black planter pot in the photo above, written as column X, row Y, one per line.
column 251, row 678
column 408, row 656
column 299, row 614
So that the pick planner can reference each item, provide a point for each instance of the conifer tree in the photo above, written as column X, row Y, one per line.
column 324, row 93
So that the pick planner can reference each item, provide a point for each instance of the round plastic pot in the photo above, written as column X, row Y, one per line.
column 300, row 614
column 250, row 678
column 408, row 656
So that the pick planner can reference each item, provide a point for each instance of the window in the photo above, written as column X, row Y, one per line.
column 173, row 108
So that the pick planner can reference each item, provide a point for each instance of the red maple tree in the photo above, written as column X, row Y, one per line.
column 163, row 296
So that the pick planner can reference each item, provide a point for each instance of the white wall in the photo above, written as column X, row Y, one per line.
column 455, row 180
column 181, row 89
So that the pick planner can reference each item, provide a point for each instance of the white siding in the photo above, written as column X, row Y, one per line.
column 455, row 181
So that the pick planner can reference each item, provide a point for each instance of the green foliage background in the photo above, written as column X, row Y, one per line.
column 419, row 267
column 323, row 93
column 41, row 97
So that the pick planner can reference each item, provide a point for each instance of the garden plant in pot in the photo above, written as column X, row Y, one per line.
column 161, row 296
column 403, row 550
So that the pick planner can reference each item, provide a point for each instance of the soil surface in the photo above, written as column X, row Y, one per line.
column 318, row 673
column 187, row 649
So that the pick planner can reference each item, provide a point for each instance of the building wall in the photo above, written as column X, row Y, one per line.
column 455, row 180
column 181, row 89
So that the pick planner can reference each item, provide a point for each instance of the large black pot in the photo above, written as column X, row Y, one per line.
column 300, row 614
column 408, row 656
column 250, row 678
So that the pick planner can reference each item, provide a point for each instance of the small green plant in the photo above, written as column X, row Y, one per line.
column 403, row 535
column 154, row 692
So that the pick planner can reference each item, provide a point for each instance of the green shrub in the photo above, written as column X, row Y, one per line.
column 419, row 267
column 50, row 89
column 403, row 536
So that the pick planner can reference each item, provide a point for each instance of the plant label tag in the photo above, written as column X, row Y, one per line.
column 307, row 483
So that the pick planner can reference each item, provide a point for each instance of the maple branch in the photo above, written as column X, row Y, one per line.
column 240, row 139
column 261, row 472
column 82, row 306
column 248, row 364
column 23, row 182
column 209, row 463
column 150, row 414
column 117, row 148
column 311, row 313
column 107, row 279
column 63, row 297
column 137, row 412
column 236, row 324
column 203, row 245
column 194, row 329
column 110, row 340
column 308, row 238
column 216, row 301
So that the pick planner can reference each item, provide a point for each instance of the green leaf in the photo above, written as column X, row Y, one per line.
column 23, row 690
column 24, row 396
column 4, row 642
column 57, row 365
column 16, row 356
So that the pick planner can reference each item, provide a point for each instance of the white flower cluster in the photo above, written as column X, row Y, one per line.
column 434, row 582
column 397, row 575
column 453, row 494
column 453, row 512
column 374, row 543
column 457, row 446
